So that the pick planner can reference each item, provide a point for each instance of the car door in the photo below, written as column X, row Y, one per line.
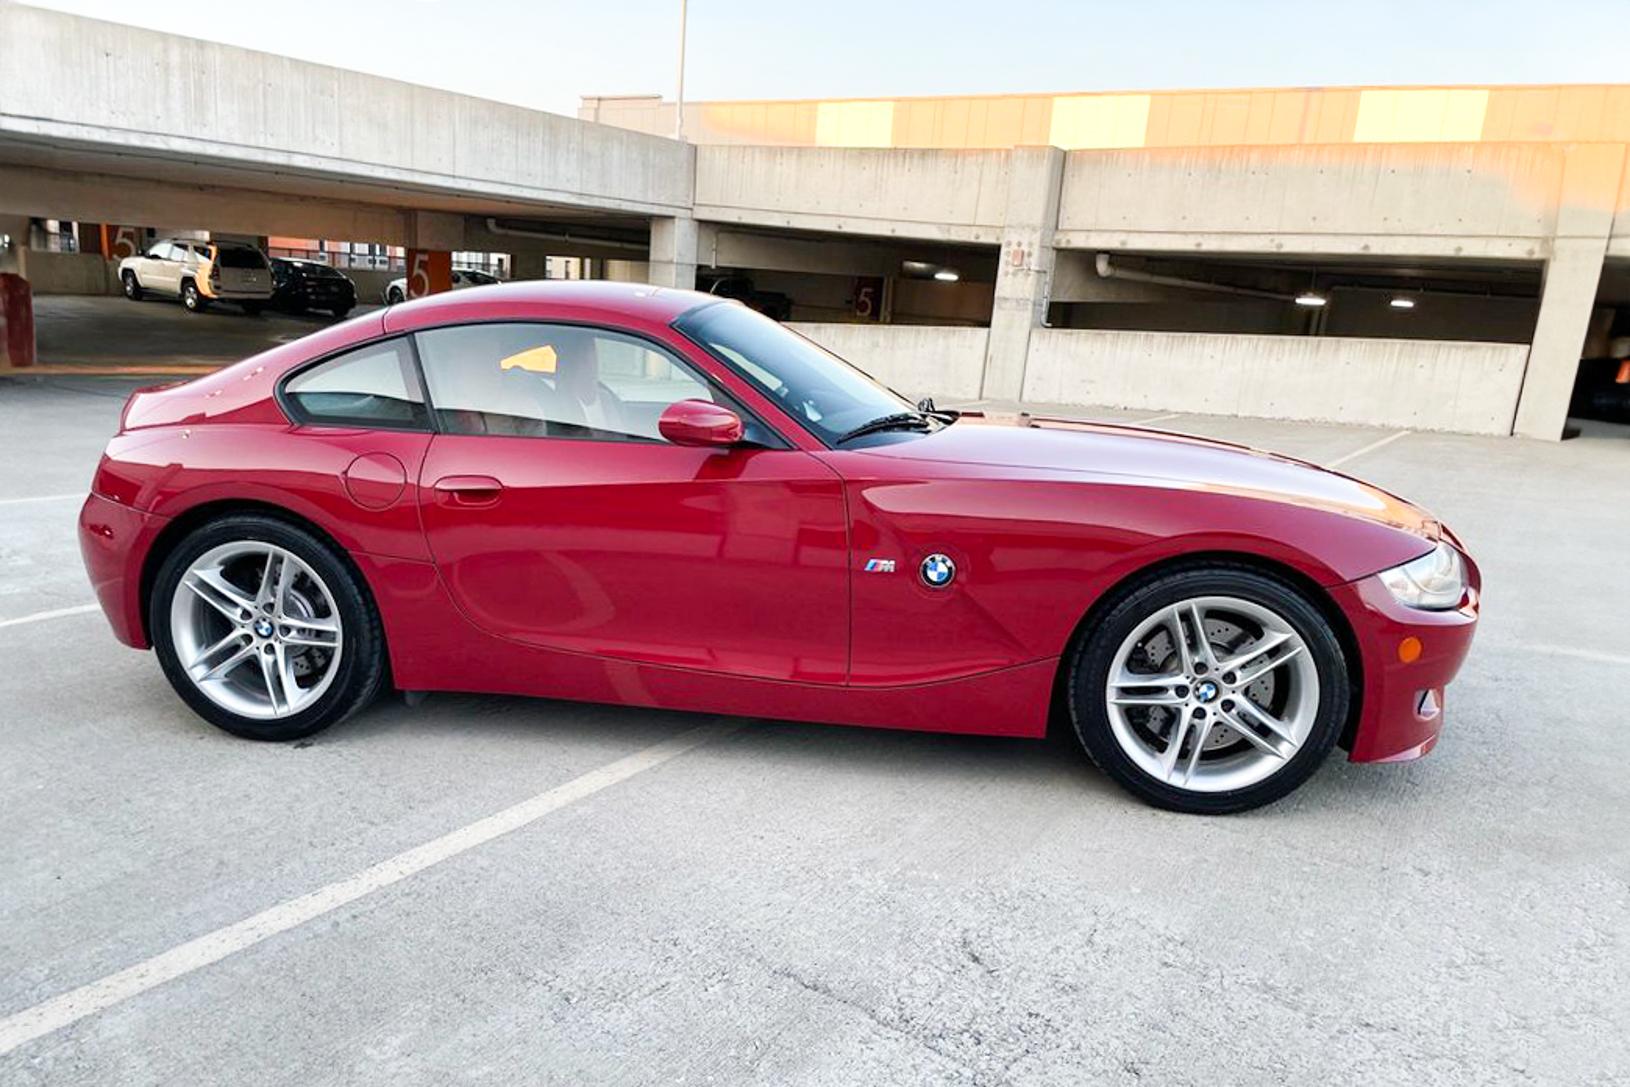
column 159, row 269
column 559, row 516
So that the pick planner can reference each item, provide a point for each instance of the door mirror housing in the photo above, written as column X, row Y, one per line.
column 700, row 423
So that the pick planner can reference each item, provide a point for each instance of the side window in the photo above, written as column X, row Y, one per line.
column 372, row 386
column 161, row 251
column 559, row 381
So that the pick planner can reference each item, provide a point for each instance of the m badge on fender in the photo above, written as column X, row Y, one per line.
column 880, row 566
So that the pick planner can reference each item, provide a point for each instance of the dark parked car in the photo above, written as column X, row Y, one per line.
column 1602, row 390
column 772, row 304
column 301, row 285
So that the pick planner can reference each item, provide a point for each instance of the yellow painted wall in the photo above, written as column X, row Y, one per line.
column 1220, row 118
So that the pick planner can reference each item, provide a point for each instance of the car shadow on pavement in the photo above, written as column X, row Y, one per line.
column 845, row 747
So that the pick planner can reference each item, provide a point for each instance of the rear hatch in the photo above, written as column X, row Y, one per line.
column 242, row 270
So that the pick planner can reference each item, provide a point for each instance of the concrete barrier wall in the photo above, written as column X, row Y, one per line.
column 1452, row 200
column 918, row 360
column 1418, row 384
column 948, row 196
column 68, row 273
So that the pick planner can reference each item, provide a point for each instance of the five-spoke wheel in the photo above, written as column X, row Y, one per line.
column 264, row 629
column 1210, row 690
column 257, row 629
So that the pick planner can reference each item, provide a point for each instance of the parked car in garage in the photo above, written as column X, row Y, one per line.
column 199, row 273
column 772, row 304
column 604, row 492
column 299, row 285
column 1602, row 390
column 396, row 291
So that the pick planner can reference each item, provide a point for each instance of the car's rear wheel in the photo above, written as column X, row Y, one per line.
column 132, row 285
column 192, row 298
column 1210, row 690
column 251, row 308
column 394, row 296
column 264, row 630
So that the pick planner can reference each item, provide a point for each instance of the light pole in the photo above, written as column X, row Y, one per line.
column 679, row 104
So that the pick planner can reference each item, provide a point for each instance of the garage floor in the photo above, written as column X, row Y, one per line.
column 795, row 904
column 101, row 333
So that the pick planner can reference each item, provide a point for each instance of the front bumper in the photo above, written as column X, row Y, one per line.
column 1401, row 715
column 238, row 294
column 114, row 540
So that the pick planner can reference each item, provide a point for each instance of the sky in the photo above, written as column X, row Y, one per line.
column 547, row 53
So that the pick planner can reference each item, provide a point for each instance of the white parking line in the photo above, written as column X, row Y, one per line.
column 1371, row 448
column 1156, row 419
column 56, row 613
column 72, row 1006
column 39, row 498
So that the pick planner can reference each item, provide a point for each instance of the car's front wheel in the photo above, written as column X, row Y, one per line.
column 394, row 296
column 1210, row 690
column 132, row 286
column 264, row 630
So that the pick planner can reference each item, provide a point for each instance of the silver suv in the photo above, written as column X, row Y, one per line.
column 199, row 273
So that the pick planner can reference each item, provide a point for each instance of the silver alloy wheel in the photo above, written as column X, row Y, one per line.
column 1212, row 694
column 256, row 629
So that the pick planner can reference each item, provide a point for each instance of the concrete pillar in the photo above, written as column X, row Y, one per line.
column 1591, row 178
column 529, row 264
column 1024, row 274
column 16, row 322
column 673, row 253
column 13, row 240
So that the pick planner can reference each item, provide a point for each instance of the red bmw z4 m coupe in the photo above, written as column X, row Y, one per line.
column 653, row 497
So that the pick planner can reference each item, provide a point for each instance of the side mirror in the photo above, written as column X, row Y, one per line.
column 701, row 423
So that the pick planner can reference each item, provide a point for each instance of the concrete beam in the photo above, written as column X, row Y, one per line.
column 882, row 193
column 435, row 230
column 75, row 82
column 61, row 194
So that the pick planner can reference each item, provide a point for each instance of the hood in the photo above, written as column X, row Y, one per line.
column 1133, row 456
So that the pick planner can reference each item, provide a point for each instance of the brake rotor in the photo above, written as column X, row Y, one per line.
column 1158, row 654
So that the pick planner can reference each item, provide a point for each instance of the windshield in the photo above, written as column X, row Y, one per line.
column 820, row 390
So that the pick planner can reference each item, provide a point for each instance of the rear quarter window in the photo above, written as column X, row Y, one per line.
column 372, row 386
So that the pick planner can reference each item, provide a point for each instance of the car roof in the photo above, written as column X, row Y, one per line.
column 582, row 297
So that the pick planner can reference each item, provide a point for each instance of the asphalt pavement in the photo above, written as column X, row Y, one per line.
column 774, row 903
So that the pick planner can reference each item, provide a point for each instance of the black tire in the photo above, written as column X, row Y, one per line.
column 341, row 312
column 132, row 286
column 1089, row 673
column 362, row 665
column 252, row 308
column 192, row 298
column 393, row 297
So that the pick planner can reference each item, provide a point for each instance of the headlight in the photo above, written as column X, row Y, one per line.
column 1436, row 581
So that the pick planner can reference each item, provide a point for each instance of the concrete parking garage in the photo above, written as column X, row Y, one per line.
column 791, row 904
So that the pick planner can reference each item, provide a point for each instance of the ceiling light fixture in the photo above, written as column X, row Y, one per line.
column 1401, row 302
column 946, row 275
column 1308, row 298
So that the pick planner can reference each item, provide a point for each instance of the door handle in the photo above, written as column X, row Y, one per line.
column 467, row 490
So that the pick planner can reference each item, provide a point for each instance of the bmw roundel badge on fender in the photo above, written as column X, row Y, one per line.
column 937, row 571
